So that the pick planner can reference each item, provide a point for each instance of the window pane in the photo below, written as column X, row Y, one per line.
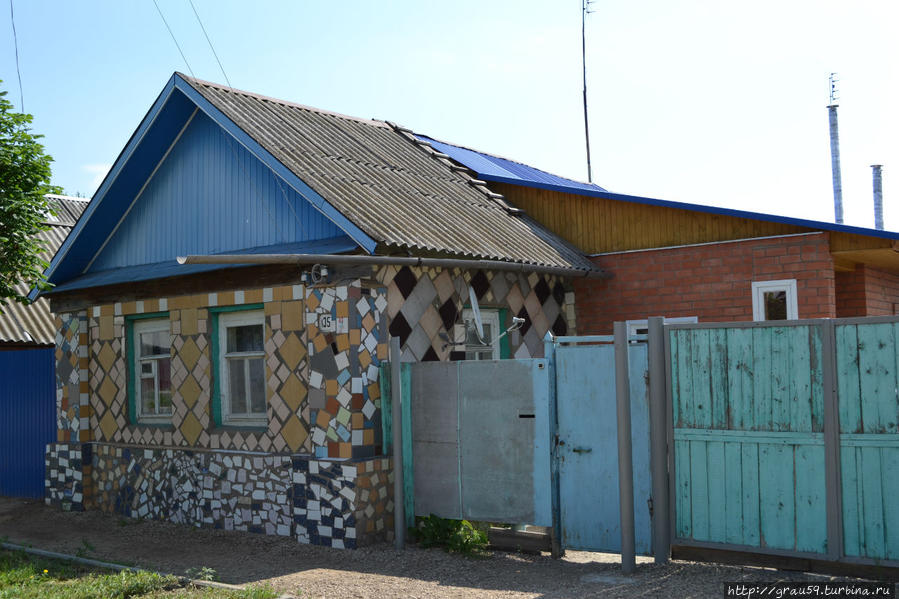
column 775, row 305
column 237, row 386
column 245, row 338
column 257, row 385
column 164, row 370
column 472, row 337
column 155, row 343
column 148, row 396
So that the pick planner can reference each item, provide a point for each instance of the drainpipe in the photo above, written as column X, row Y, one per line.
column 878, row 196
column 357, row 260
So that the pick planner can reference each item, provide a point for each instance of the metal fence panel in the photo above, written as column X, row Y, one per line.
column 28, row 406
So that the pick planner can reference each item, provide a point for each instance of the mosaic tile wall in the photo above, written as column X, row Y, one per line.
column 72, row 399
column 68, row 474
column 423, row 302
column 322, row 391
column 314, row 501
column 344, row 394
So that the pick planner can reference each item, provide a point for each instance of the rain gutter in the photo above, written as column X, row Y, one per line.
column 357, row 260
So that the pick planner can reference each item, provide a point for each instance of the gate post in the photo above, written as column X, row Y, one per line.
column 625, row 454
column 399, row 516
column 549, row 352
column 832, row 477
column 658, row 441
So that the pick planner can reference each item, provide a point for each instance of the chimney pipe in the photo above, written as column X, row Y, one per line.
column 835, row 152
column 878, row 196
column 835, row 165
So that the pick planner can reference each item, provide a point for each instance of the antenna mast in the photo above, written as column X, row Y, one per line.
column 585, row 9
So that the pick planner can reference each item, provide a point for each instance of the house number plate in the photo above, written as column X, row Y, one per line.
column 326, row 323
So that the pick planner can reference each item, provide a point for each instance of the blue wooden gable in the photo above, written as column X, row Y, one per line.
column 191, row 182
column 210, row 195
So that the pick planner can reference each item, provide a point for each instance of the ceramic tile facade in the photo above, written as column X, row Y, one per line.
column 423, row 302
column 314, row 472
column 72, row 397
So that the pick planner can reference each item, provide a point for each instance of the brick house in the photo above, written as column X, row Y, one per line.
column 698, row 263
column 242, row 390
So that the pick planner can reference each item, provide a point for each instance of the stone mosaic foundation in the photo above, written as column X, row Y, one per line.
column 341, row 504
column 68, row 467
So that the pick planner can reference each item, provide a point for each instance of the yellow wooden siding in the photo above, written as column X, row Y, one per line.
column 597, row 225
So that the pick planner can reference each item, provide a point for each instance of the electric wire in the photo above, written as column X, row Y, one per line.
column 177, row 45
column 209, row 41
column 15, row 37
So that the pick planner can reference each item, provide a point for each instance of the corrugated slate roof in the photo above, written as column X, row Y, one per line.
column 34, row 323
column 396, row 188
column 495, row 168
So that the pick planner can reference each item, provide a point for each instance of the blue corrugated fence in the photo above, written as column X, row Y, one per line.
column 28, row 405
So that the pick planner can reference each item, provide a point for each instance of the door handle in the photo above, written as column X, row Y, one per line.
column 582, row 449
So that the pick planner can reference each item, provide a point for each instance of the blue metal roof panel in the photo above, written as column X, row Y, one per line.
column 488, row 166
column 171, row 268
column 500, row 170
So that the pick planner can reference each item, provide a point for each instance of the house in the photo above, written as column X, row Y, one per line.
column 698, row 263
column 27, row 395
column 241, row 390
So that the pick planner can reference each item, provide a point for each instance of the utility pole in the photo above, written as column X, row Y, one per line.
column 835, row 151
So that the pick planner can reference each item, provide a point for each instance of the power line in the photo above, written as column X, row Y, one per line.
column 177, row 45
column 12, row 18
column 209, row 41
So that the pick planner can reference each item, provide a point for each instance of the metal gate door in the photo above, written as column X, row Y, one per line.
column 588, row 445
column 28, row 405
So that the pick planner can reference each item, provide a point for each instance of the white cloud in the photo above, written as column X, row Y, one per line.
column 99, row 173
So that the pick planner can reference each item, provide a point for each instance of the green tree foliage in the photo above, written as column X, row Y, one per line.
column 24, row 180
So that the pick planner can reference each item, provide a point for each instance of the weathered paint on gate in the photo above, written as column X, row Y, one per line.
column 867, row 361
column 588, row 447
column 749, row 457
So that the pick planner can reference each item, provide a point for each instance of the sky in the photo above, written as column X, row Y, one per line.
column 706, row 102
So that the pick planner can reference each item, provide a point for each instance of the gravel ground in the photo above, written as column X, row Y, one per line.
column 310, row 572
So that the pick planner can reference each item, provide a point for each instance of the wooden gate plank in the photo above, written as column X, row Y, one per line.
column 852, row 535
column 733, row 493
column 761, row 359
column 702, row 391
column 717, row 483
column 811, row 508
column 776, row 494
column 876, row 362
column 800, row 390
column 872, row 502
column 699, row 480
column 739, row 378
column 718, row 369
column 683, row 491
column 847, row 378
column 889, row 480
column 751, row 499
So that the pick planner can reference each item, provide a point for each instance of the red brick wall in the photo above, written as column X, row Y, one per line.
column 850, row 293
column 866, row 291
column 712, row 282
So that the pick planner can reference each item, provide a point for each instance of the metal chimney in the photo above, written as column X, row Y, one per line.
column 878, row 196
column 835, row 152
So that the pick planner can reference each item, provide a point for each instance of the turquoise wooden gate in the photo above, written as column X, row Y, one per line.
column 786, row 438
column 587, row 451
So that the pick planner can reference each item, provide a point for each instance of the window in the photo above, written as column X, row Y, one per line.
column 641, row 327
column 242, row 368
column 774, row 300
column 151, row 343
column 474, row 348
